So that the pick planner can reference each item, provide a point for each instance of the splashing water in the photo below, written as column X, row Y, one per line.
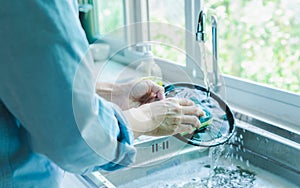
column 198, row 174
column 214, row 154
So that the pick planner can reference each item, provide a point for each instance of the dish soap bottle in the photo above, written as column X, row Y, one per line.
column 148, row 69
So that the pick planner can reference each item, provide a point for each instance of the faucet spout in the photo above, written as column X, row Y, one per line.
column 201, row 31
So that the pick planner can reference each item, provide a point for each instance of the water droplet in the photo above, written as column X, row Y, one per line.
column 240, row 148
column 241, row 159
column 247, row 163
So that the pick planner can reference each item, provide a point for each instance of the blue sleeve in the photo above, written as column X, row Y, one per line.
column 47, row 83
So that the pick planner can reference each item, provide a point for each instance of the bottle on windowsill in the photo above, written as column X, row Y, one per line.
column 147, row 68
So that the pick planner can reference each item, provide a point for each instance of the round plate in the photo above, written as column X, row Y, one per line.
column 222, row 124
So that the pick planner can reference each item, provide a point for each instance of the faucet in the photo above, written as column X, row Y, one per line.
column 201, row 33
column 201, row 37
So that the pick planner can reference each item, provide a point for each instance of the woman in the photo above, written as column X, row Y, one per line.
column 51, row 121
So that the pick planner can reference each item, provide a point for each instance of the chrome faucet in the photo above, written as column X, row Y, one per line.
column 201, row 33
column 201, row 37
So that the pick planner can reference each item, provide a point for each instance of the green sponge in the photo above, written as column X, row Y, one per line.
column 205, row 120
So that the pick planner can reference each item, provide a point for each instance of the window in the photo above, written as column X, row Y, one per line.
column 170, row 13
column 109, row 16
column 260, row 41
column 259, row 47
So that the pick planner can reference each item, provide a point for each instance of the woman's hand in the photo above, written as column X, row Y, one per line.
column 143, row 92
column 166, row 117
column 132, row 94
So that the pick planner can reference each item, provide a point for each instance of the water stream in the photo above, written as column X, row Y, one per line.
column 204, row 67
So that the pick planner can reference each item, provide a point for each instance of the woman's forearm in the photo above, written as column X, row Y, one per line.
column 108, row 91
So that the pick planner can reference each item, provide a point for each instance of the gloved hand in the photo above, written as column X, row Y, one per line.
column 132, row 94
column 144, row 91
column 166, row 117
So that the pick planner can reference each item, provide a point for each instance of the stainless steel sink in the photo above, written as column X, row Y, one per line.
column 273, row 151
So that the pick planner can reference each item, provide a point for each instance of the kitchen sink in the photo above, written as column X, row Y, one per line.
column 254, row 157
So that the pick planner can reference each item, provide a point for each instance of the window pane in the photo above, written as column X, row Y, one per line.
column 260, row 40
column 109, row 15
column 168, row 12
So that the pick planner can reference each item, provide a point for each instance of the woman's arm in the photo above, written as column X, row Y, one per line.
column 46, row 83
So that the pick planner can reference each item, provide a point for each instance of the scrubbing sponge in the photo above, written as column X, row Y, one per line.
column 207, row 118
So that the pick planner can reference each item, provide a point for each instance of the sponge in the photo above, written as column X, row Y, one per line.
column 207, row 118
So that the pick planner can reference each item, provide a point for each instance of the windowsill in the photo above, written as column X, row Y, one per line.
column 269, row 105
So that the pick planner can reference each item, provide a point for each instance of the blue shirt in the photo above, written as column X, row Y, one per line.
column 50, row 118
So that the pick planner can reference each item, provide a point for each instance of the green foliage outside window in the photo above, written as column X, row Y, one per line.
column 260, row 40
column 110, row 15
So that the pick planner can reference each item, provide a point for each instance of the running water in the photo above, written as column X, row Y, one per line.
column 204, row 67
column 214, row 155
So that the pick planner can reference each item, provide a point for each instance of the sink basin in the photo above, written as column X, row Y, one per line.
column 254, row 157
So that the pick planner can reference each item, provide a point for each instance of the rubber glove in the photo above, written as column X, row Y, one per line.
column 131, row 94
column 166, row 117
